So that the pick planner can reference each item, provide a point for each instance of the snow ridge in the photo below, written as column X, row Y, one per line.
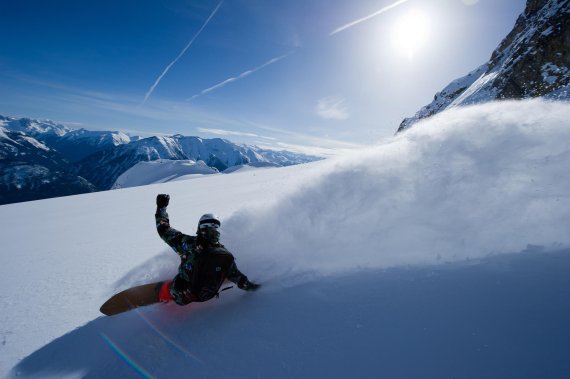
column 532, row 61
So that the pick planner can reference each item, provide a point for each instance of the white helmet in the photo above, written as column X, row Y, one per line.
column 209, row 220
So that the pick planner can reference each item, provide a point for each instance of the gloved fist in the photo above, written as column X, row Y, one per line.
column 162, row 200
column 246, row 285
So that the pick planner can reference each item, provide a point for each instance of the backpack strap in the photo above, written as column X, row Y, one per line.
column 222, row 290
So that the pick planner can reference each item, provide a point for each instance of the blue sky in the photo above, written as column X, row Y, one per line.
column 272, row 73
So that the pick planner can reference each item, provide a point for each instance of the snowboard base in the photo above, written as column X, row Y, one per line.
column 135, row 297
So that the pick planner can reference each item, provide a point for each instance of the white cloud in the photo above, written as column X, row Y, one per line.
column 222, row 132
column 333, row 108
column 151, row 90
column 241, row 76
column 320, row 150
column 366, row 18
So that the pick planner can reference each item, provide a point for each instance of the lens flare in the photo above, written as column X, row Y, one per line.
column 168, row 339
column 140, row 370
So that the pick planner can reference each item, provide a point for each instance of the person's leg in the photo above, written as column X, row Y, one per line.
column 180, row 291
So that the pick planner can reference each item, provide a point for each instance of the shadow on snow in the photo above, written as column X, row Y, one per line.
column 501, row 316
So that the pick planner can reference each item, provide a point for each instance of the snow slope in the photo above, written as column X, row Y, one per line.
column 166, row 170
column 160, row 171
column 383, row 264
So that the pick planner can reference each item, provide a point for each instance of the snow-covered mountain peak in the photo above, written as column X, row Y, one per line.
column 98, row 137
column 532, row 61
column 120, row 138
column 34, row 127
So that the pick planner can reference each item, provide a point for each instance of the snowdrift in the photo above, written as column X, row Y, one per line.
column 351, row 254
column 161, row 171
column 464, row 184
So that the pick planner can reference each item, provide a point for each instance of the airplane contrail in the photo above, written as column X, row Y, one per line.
column 240, row 76
column 378, row 12
column 150, row 91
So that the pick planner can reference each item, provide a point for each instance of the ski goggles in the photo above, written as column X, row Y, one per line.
column 206, row 225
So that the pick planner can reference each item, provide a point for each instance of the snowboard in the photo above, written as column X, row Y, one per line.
column 135, row 297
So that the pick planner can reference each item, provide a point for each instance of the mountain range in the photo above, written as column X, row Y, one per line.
column 533, row 60
column 43, row 159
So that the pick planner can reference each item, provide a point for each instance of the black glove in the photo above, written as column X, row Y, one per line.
column 246, row 285
column 162, row 200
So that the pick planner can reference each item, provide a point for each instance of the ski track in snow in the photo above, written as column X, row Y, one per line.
column 465, row 184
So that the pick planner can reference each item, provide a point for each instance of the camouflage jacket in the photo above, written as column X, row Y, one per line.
column 186, row 246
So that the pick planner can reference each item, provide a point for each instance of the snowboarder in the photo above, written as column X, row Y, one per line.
column 191, row 282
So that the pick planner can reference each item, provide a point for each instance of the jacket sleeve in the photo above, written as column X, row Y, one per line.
column 178, row 241
column 234, row 274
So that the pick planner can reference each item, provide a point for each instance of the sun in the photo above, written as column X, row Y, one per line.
column 410, row 33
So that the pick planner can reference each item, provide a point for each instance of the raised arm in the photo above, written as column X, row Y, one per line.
column 174, row 238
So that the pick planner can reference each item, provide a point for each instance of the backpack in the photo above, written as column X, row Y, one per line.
column 209, row 272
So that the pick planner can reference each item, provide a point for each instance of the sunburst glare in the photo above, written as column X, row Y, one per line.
column 411, row 32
